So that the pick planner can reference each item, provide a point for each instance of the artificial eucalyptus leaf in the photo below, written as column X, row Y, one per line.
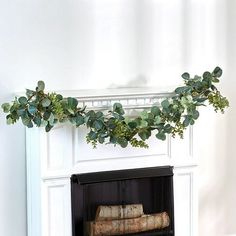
column 144, row 115
column 21, row 112
column 192, row 122
column 132, row 124
column 41, row 85
column 51, row 119
column 29, row 93
column 217, row 72
column 168, row 128
column 99, row 114
column 101, row 139
column 207, row 75
column 72, row 102
column 6, row 107
column 123, row 142
column 59, row 97
column 117, row 107
column 23, row 100
column 155, row 110
column 46, row 115
column 144, row 134
column 157, row 120
column 201, row 99
column 48, row 127
column 79, row 120
column 186, row 121
column 165, row 103
column 37, row 121
column 46, row 102
column 97, row 124
column 195, row 114
column 70, row 110
column 161, row 136
column 215, row 80
column 27, row 122
column 9, row 121
column 32, row 109
column 186, row 76
column 183, row 89
column 92, row 135
column 143, row 124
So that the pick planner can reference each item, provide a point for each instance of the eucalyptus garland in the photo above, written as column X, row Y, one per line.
column 172, row 116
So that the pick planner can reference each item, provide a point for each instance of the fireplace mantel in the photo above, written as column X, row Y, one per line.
column 53, row 157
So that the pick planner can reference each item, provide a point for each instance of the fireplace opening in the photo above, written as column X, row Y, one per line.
column 124, row 202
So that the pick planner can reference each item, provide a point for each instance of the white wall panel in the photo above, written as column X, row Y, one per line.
column 56, row 212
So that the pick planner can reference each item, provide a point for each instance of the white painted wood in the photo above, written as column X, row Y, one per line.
column 53, row 157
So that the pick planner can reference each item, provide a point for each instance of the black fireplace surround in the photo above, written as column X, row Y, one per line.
column 152, row 187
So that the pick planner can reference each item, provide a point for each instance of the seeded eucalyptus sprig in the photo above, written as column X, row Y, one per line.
column 173, row 116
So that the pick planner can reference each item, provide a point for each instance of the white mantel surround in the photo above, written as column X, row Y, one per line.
column 53, row 157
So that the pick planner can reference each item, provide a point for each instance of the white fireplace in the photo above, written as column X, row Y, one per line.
column 53, row 157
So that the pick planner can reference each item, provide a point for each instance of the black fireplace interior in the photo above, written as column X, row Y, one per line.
column 151, row 187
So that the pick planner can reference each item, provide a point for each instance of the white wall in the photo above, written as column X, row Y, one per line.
column 79, row 44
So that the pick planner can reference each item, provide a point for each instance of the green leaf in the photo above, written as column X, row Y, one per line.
column 29, row 93
column 201, row 99
column 217, row 72
column 43, row 123
column 183, row 89
column 168, row 128
column 32, row 109
column 97, row 124
column 59, row 97
column 132, row 124
column 123, row 142
column 101, row 139
column 165, row 103
column 192, row 122
column 143, row 124
column 145, row 134
column 79, row 120
column 9, row 121
column 161, row 136
column 46, row 115
column 186, row 76
column 207, row 75
column 51, row 119
column 72, row 102
column 92, row 135
column 27, row 122
column 144, row 114
column 157, row 120
column 113, row 139
column 117, row 107
column 155, row 110
column 72, row 120
column 215, row 80
column 71, row 111
column 99, row 114
column 186, row 121
column 41, row 85
column 21, row 112
column 37, row 121
column 6, row 107
column 46, row 102
column 23, row 100
column 195, row 114
column 48, row 127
